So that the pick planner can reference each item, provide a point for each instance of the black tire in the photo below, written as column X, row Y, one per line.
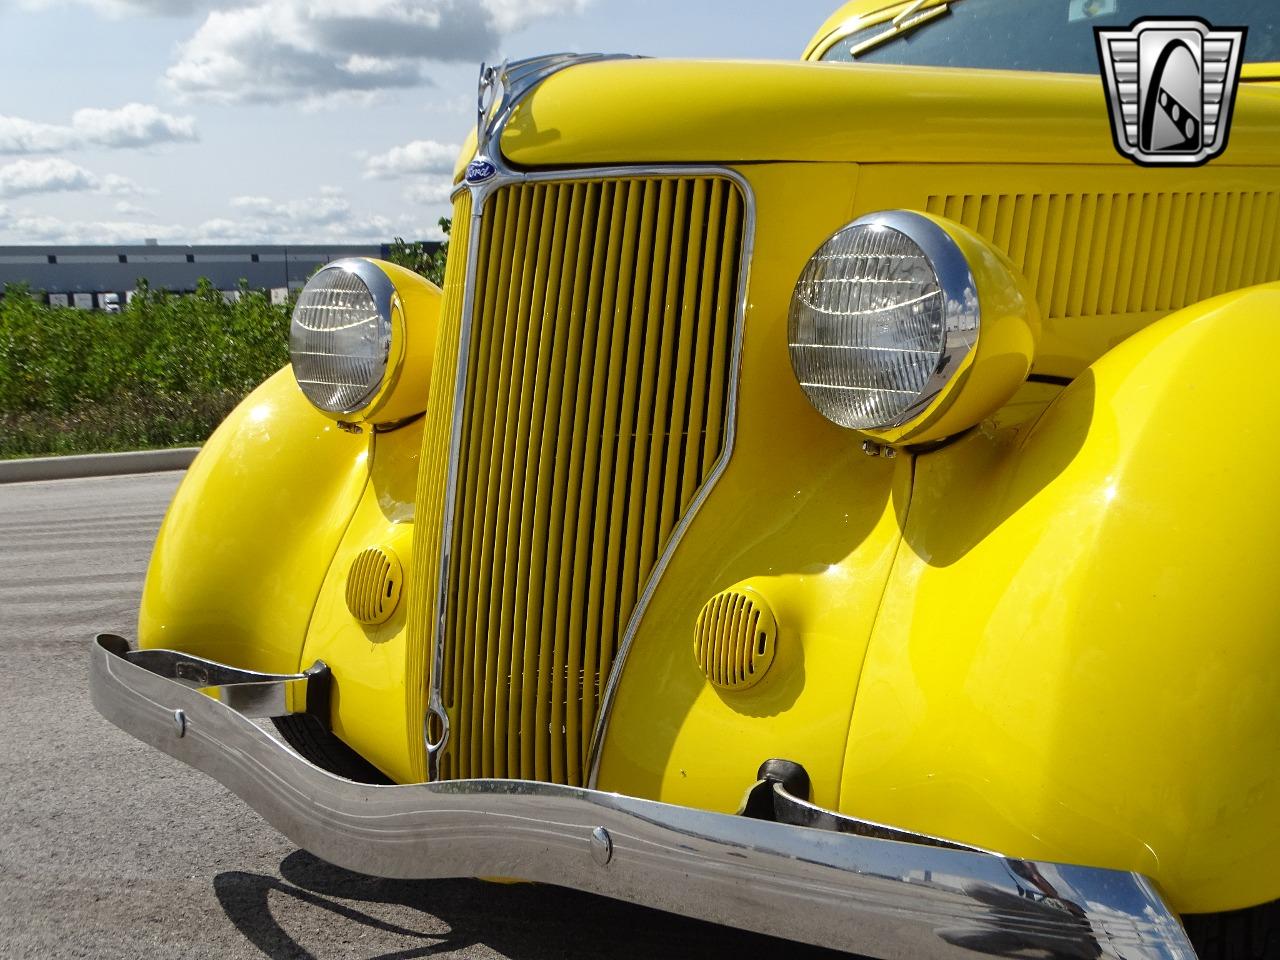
column 1252, row 934
column 315, row 743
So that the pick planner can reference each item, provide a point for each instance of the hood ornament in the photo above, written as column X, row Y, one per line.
column 501, row 89
column 491, row 87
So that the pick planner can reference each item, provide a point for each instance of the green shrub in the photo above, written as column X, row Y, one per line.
column 162, row 372
column 416, row 256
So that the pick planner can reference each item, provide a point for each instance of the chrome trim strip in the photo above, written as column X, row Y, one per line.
column 435, row 698
column 247, row 692
column 881, row 898
column 852, row 25
column 865, row 21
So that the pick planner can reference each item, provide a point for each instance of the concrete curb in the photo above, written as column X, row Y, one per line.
column 96, row 465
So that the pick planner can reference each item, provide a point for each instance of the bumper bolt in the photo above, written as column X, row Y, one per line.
column 873, row 449
column 601, row 846
column 180, row 722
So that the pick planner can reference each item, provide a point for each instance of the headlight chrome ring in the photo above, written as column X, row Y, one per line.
column 340, row 335
column 881, row 320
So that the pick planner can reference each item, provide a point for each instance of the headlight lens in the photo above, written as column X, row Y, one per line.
column 340, row 335
column 880, row 317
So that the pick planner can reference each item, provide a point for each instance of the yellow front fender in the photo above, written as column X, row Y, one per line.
column 1077, row 653
column 251, row 532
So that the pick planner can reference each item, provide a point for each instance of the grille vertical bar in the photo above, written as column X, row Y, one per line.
column 598, row 381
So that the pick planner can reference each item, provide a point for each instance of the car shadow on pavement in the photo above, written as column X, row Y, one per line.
column 422, row 918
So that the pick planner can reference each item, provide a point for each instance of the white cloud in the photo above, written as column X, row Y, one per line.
column 433, row 232
column 310, row 50
column 432, row 191
column 326, row 210
column 505, row 15
column 511, row 15
column 127, row 209
column 121, row 9
column 43, row 176
column 419, row 156
column 119, row 186
column 40, row 229
column 26, row 227
column 133, row 125
column 253, row 204
column 55, row 175
column 326, row 217
column 301, row 49
column 26, row 136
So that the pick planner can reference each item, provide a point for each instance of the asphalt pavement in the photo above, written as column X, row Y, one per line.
column 111, row 849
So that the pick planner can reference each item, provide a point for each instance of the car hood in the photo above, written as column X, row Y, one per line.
column 671, row 111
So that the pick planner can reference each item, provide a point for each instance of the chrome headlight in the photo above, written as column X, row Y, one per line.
column 881, row 316
column 340, row 335
column 911, row 328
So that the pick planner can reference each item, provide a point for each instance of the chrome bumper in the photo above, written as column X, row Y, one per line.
column 881, row 898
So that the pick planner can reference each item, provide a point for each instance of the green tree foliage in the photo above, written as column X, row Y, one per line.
column 416, row 256
column 162, row 372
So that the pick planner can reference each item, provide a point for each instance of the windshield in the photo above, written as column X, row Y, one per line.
column 1047, row 35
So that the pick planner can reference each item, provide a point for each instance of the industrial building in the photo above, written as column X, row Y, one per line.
column 102, row 277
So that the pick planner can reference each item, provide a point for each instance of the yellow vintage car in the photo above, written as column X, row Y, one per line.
column 835, row 499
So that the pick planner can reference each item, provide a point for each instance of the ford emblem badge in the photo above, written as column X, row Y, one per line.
column 480, row 170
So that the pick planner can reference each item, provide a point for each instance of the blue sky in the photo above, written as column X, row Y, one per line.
column 290, row 120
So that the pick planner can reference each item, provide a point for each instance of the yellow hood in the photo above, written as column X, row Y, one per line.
column 670, row 111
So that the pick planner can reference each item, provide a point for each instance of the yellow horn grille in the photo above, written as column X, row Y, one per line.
column 373, row 585
column 735, row 638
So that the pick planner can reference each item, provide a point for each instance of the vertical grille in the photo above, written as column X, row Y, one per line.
column 596, row 406
column 1077, row 249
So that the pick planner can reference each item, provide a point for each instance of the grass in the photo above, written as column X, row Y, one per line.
column 163, row 372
